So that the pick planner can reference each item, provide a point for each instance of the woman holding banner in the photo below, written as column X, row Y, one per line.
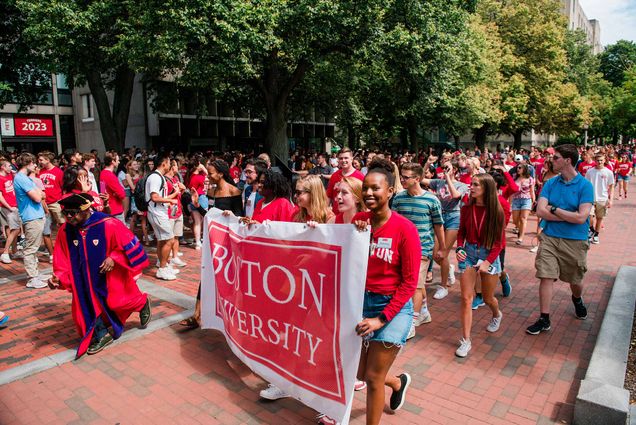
column 392, row 275
column 349, row 199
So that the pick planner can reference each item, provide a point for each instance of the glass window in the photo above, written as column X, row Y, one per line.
column 87, row 107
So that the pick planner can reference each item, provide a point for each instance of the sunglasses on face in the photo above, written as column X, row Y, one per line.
column 71, row 212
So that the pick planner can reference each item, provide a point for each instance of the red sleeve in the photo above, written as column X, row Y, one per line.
column 410, row 258
column 497, row 246
column 124, row 246
column 332, row 183
column 113, row 186
column 511, row 186
column 461, row 233
column 61, row 261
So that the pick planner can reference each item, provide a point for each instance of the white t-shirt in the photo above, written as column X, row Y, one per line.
column 153, row 185
column 601, row 180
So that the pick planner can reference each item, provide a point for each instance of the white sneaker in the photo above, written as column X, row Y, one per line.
column 272, row 392
column 451, row 275
column 180, row 254
column 178, row 262
column 175, row 271
column 36, row 283
column 5, row 259
column 197, row 245
column 440, row 293
column 424, row 317
column 534, row 249
column 165, row 274
column 495, row 322
column 150, row 238
column 464, row 348
column 411, row 331
column 595, row 239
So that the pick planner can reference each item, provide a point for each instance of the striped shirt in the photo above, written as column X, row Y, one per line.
column 424, row 211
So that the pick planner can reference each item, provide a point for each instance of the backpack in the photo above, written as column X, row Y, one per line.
column 139, row 195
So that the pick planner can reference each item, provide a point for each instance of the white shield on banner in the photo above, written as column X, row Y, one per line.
column 288, row 298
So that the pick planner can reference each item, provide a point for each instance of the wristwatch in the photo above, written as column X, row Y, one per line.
column 553, row 209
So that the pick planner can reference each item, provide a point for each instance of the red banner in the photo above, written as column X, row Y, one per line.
column 282, row 299
column 33, row 126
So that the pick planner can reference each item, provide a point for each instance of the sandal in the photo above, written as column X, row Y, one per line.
column 190, row 323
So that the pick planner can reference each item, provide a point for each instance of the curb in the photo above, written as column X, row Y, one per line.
column 601, row 397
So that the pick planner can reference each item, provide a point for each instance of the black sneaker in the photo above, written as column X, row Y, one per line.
column 145, row 314
column 399, row 397
column 580, row 309
column 539, row 326
column 98, row 346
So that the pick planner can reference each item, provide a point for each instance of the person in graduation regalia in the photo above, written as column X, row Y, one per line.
column 98, row 259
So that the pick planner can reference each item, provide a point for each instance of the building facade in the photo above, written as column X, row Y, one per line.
column 577, row 19
column 47, row 125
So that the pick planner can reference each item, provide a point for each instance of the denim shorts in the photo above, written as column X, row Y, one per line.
column 203, row 203
column 395, row 331
column 451, row 220
column 475, row 253
column 521, row 204
column 624, row 178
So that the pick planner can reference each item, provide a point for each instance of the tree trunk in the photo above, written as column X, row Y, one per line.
column 480, row 137
column 276, row 133
column 413, row 142
column 352, row 137
column 517, row 137
column 456, row 138
column 113, row 123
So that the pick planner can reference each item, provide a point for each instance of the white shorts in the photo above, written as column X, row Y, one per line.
column 177, row 228
column 163, row 227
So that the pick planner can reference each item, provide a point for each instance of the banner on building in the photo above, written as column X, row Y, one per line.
column 6, row 126
column 33, row 126
column 288, row 298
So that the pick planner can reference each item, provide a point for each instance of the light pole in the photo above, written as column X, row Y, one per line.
column 585, row 127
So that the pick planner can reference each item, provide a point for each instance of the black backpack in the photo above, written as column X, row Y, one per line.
column 139, row 195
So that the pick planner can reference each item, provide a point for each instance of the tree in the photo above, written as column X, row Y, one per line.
column 534, row 32
column 267, row 48
column 24, row 81
column 624, row 107
column 79, row 39
column 616, row 59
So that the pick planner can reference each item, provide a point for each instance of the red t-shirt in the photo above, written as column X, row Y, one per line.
column 331, row 187
column 469, row 230
column 115, row 191
column 612, row 164
column 171, row 183
column 624, row 168
column 466, row 178
column 280, row 209
column 235, row 173
column 584, row 166
column 197, row 181
column 6, row 187
column 52, row 180
column 394, row 261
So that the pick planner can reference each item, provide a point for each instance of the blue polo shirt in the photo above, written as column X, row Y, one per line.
column 29, row 209
column 567, row 196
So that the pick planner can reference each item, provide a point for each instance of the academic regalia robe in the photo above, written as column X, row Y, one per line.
column 114, row 295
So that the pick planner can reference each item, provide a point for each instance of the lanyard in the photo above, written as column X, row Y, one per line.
column 481, row 223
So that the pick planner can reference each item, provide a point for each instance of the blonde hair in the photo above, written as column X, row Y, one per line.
column 396, row 172
column 319, row 210
column 356, row 191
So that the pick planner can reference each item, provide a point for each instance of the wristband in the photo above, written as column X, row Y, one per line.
column 383, row 318
column 460, row 249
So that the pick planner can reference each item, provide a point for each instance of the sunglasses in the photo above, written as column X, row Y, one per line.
column 406, row 177
column 71, row 212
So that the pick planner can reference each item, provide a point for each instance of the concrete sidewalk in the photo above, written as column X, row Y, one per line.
column 168, row 376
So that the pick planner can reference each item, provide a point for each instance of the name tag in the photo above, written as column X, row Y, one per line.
column 384, row 243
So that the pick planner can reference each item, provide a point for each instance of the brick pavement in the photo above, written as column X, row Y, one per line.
column 170, row 376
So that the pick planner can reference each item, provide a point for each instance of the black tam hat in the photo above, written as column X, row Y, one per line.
column 76, row 201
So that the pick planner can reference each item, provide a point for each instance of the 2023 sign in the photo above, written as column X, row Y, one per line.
column 27, row 126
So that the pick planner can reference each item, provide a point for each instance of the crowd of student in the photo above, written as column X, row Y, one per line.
column 418, row 207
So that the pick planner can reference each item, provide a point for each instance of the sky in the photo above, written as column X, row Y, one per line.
column 617, row 18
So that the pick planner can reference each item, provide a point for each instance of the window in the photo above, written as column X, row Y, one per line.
column 64, row 97
column 87, row 108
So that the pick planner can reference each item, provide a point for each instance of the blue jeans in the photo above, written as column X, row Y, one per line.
column 395, row 331
column 475, row 253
